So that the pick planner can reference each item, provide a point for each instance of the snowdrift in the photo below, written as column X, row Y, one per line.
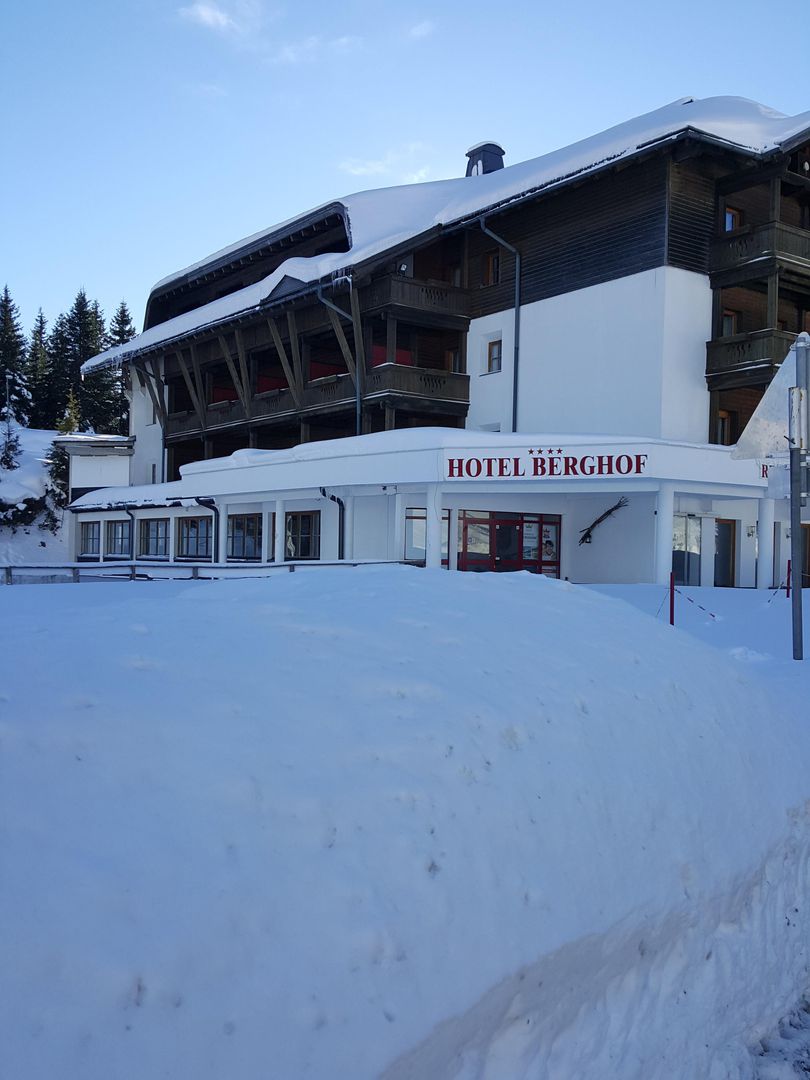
column 390, row 823
column 27, row 484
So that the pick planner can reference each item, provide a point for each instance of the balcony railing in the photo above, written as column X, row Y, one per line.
column 757, row 242
column 743, row 351
column 416, row 295
column 335, row 390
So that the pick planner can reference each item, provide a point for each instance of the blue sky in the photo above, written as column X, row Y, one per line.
column 140, row 135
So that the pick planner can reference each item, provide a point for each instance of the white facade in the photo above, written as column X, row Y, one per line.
column 626, row 357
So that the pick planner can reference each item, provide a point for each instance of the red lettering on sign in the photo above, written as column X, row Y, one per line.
column 624, row 464
column 503, row 466
column 641, row 461
column 587, row 465
column 454, row 467
column 604, row 465
column 489, row 462
column 517, row 468
column 570, row 466
column 539, row 467
column 764, row 472
column 473, row 467
column 554, row 466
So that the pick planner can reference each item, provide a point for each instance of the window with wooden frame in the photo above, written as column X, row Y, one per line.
column 730, row 323
column 153, row 538
column 194, row 537
column 302, row 535
column 90, row 540
column 245, row 537
column 491, row 270
column 732, row 219
column 725, row 428
column 119, row 540
column 494, row 352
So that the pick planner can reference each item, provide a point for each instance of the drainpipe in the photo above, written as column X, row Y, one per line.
column 209, row 504
column 509, row 247
column 358, row 401
column 341, row 520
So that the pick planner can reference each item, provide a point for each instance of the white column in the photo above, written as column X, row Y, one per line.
column 433, row 531
column 398, row 553
column 348, row 527
column 765, row 523
column 280, row 532
column 664, row 511
column 222, row 542
column 452, row 545
column 172, row 537
column 708, row 540
column 267, row 523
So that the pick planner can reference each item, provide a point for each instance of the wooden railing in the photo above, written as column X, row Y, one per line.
column 756, row 242
column 425, row 383
column 745, row 350
column 417, row 295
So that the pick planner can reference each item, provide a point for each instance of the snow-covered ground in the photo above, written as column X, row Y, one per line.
column 29, row 544
column 400, row 823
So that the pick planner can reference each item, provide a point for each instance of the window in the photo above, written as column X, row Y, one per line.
column 154, row 473
column 686, row 549
column 194, row 538
column 453, row 361
column 416, row 535
column 732, row 219
column 153, row 538
column 118, row 539
column 302, row 539
column 90, row 540
column 725, row 428
column 731, row 323
column 244, row 536
column 492, row 268
column 494, row 355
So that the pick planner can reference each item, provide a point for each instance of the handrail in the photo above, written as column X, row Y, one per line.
column 153, row 570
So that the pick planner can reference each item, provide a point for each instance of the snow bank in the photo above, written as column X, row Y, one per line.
column 29, row 544
column 391, row 823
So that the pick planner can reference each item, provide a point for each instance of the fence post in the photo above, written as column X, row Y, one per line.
column 787, row 590
column 75, row 573
column 671, row 599
column 8, row 577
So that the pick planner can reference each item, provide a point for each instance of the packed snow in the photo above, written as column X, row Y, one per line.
column 398, row 823
column 385, row 217
column 29, row 544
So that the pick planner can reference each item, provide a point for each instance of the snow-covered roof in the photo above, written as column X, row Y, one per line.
column 410, row 456
column 382, row 219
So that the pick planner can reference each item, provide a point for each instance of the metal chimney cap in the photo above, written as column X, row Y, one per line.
column 487, row 144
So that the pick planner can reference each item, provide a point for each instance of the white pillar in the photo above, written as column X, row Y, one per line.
column 433, row 531
column 172, row 537
column 267, row 534
column 281, row 532
column 398, row 552
column 348, row 527
column 222, row 540
column 452, row 542
column 664, row 511
column 708, row 541
column 765, row 523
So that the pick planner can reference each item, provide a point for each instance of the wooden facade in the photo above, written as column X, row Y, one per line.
column 394, row 339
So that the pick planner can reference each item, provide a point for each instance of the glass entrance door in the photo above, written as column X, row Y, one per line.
column 502, row 542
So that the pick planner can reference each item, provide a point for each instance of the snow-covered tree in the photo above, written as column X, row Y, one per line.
column 13, row 383
column 9, row 439
column 38, row 372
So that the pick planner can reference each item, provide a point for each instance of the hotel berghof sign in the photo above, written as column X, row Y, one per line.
column 541, row 463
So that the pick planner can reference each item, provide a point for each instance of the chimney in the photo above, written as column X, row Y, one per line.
column 484, row 157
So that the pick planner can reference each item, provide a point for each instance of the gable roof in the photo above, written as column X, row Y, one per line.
column 384, row 218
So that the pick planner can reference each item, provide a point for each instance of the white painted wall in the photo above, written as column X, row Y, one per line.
column 99, row 470
column 626, row 357
column 148, row 434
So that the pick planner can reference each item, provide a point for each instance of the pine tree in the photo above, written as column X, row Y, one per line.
column 13, row 383
column 71, row 421
column 121, row 330
column 57, row 492
column 38, row 372
column 9, row 440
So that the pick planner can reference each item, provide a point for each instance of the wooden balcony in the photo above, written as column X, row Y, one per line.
column 748, row 354
column 772, row 241
column 410, row 294
column 424, row 386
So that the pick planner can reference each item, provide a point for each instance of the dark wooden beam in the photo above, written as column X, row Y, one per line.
column 742, row 180
column 357, row 325
column 343, row 344
column 198, row 379
column 243, row 367
column 776, row 198
column 390, row 340
column 192, row 392
column 149, row 380
column 226, row 352
column 772, row 317
column 292, row 329
column 285, row 362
